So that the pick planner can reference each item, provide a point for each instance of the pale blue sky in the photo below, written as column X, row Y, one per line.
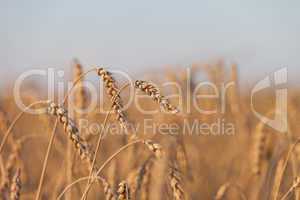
column 261, row 35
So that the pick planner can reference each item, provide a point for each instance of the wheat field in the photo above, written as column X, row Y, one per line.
column 175, row 153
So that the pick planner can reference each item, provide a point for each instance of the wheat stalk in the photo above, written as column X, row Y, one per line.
column 295, row 185
column 277, row 179
column 285, row 164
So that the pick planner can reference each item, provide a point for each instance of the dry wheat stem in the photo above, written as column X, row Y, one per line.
column 295, row 185
column 44, row 168
column 277, row 179
column 290, row 152
column 3, row 175
column 294, row 163
column 68, row 187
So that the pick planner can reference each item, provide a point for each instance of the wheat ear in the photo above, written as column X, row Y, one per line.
column 143, row 179
column 154, row 92
column 80, row 96
column 277, row 179
column 154, row 147
column 182, row 157
column 109, row 195
column 113, row 92
column 176, row 184
column 4, row 125
column 11, row 162
column 224, row 189
column 16, row 185
column 123, row 191
column 259, row 149
column 69, row 127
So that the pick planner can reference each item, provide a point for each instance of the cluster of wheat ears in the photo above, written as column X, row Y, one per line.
column 174, row 167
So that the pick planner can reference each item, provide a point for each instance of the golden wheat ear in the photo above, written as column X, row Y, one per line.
column 222, row 191
column 139, row 179
column 16, row 185
column 154, row 92
column 69, row 127
column 259, row 149
column 154, row 147
column 113, row 91
column 80, row 94
column 176, row 184
column 123, row 191
column 109, row 194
